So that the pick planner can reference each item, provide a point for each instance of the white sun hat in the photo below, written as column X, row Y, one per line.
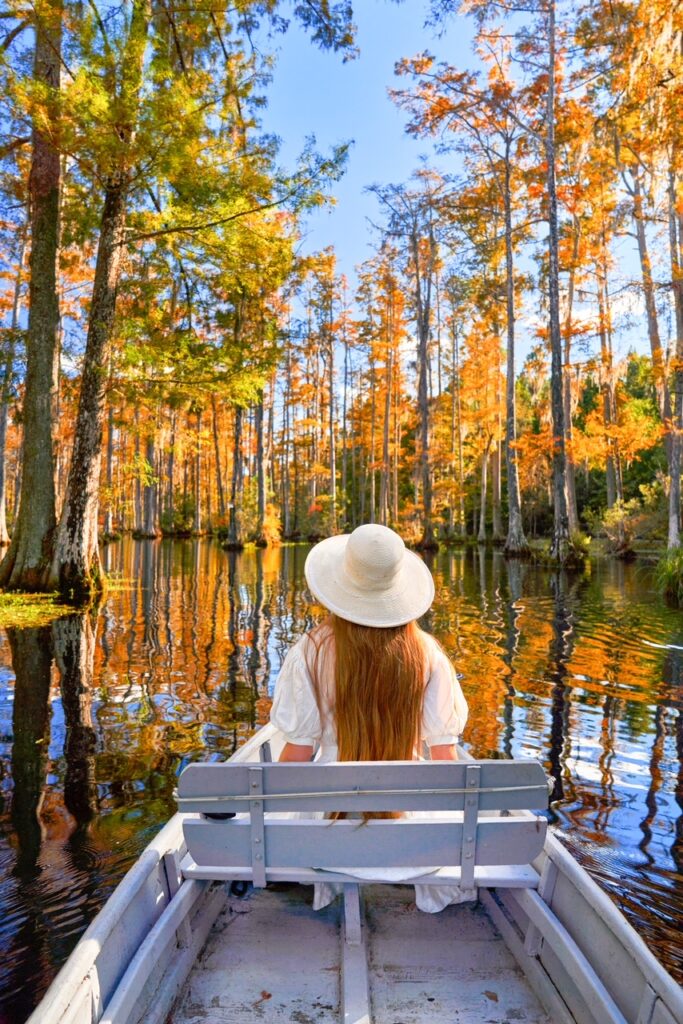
column 369, row 577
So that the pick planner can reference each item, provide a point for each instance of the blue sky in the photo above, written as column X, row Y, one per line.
column 314, row 93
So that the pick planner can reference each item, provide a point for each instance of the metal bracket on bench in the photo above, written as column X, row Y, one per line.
column 258, row 838
column 469, row 826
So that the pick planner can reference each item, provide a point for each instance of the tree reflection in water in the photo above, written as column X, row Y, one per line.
column 32, row 661
column 583, row 672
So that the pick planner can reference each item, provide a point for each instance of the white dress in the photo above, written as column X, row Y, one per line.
column 295, row 713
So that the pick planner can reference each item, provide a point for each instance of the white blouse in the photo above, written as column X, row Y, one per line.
column 295, row 711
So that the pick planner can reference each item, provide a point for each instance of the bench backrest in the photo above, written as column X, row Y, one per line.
column 477, row 836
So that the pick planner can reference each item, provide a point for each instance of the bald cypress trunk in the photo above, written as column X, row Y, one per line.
column 26, row 563
column 6, row 392
column 560, row 546
column 515, row 543
column 676, row 457
column 76, row 568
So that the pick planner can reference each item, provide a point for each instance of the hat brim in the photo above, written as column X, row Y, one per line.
column 409, row 596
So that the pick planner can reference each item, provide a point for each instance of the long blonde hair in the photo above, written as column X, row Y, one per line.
column 379, row 682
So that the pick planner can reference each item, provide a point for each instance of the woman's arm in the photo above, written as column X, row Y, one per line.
column 443, row 752
column 296, row 752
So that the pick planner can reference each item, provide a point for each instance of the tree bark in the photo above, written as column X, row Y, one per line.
column 6, row 391
column 76, row 567
column 572, row 510
column 261, row 540
column 658, row 363
column 516, row 543
column 674, row 531
column 217, row 456
column 235, row 540
column 150, row 526
column 481, row 536
column 560, row 546
column 27, row 561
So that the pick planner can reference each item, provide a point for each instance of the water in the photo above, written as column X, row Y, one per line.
column 98, row 715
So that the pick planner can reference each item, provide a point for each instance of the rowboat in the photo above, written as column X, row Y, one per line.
column 212, row 924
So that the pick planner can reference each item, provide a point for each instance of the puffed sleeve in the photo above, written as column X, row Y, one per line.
column 445, row 709
column 295, row 711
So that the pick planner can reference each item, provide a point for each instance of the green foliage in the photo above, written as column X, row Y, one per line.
column 669, row 575
column 638, row 519
column 180, row 522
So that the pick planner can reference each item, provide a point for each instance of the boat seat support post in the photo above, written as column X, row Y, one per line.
column 352, row 914
column 174, row 880
column 258, row 837
column 533, row 940
column 468, row 853
column 355, row 983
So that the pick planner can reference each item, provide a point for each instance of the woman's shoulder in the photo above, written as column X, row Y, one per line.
column 437, row 656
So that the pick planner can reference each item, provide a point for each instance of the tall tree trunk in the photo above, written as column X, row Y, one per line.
column 572, row 510
column 384, row 478
column 235, row 540
column 560, row 546
column 26, row 564
column 345, row 454
column 658, row 363
column 149, row 500
column 481, row 537
column 170, row 473
column 261, row 539
column 109, row 513
column 428, row 540
column 515, row 543
column 6, row 390
column 675, row 465
column 198, row 492
column 76, row 568
column 333, row 457
column 497, row 523
column 286, row 505
column 217, row 455
column 371, row 467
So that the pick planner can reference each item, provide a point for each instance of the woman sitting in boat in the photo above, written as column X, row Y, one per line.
column 367, row 684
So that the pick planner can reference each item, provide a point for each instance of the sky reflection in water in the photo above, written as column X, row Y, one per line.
column 583, row 672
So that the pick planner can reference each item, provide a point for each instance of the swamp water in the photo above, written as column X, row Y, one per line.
column 99, row 714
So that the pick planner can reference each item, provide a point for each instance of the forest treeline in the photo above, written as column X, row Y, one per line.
column 172, row 363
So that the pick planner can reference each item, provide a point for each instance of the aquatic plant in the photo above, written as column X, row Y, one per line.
column 22, row 610
column 669, row 575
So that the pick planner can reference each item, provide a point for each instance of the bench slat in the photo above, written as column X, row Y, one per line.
column 520, row 876
column 426, row 786
column 317, row 843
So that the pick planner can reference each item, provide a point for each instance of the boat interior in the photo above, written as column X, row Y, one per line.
column 213, row 923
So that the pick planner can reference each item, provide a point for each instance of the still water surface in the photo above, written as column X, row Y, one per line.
column 99, row 714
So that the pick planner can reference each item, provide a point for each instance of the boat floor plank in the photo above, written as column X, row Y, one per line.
column 447, row 968
column 271, row 957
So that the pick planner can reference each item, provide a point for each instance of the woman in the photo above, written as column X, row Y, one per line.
column 368, row 684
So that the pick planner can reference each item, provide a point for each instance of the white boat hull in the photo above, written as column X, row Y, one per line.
column 578, row 960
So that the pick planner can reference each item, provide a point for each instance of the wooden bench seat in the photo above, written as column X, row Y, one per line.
column 250, row 840
column 477, row 824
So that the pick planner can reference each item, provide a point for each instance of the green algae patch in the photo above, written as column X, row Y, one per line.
column 19, row 610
